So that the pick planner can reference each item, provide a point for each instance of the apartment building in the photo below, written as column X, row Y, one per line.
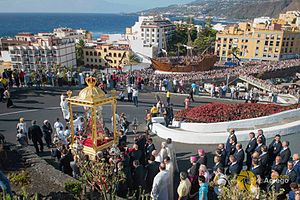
column 149, row 35
column 105, row 55
column 264, row 41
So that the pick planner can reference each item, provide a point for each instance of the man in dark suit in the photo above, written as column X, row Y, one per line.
column 290, row 174
column 263, row 159
column 239, row 155
column 277, row 166
column 135, row 154
column 218, row 163
column 260, row 134
column 259, row 145
column 256, row 168
column 149, row 148
column 296, row 164
column 274, row 184
column 228, row 148
column 35, row 134
column 64, row 162
column 220, row 151
column 250, row 149
column 152, row 170
column 275, row 147
column 233, row 168
column 285, row 152
column 138, row 175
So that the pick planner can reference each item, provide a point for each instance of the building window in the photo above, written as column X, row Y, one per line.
column 92, row 60
column 95, row 53
column 86, row 53
column 153, row 30
column 142, row 34
column 258, row 41
column 105, row 50
column 91, row 53
column 271, row 43
column 96, row 60
column 87, row 60
column 119, row 55
column 99, row 53
column 115, row 54
column 257, row 48
column 277, row 43
column 147, row 30
column 292, row 44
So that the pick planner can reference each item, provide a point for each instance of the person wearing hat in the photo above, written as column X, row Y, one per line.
column 202, row 157
column 193, row 173
column 184, row 187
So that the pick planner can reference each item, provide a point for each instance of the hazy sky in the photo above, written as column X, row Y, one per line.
column 84, row 6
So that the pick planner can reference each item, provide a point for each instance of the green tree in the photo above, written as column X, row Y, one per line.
column 206, row 36
column 79, row 52
column 180, row 38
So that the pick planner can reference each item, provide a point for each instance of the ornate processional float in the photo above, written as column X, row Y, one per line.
column 89, row 131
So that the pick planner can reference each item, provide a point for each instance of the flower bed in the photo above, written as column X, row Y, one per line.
column 219, row 112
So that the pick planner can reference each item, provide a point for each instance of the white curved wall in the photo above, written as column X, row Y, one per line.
column 239, row 124
column 214, row 133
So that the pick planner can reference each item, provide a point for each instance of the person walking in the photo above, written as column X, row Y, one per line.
column 168, row 95
column 22, row 129
column 7, row 96
column 35, row 134
column 47, row 130
column 187, row 102
column 135, row 95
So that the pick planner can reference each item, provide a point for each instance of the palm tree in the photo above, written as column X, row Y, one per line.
column 79, row 52
column 133, row 59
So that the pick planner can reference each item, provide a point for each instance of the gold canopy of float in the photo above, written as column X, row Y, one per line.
column 92, row 98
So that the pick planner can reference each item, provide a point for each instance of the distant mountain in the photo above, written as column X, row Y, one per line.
column 231, row 9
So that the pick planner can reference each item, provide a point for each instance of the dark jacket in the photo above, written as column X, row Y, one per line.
column 138, row 177
column 292, row 174
column 152, row 170
column 228, row 145
column 149, row 149
column 297, row 170
column 202, row 160
column 263, row 160
column 258, row 171
column 275, row 148
column 234, row 169
column 278, row 168
column 251, row 146
column 240, row 158
column 216, row 166
column 64, row 164
column 285, row 155
column 258, row 148
column 35, row 132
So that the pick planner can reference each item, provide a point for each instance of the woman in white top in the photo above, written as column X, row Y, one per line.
column 204, row 172
column 163, row 151
column 22, row 128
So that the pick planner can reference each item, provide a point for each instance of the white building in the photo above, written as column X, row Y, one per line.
column 28, row 51
column 149, row 35
column 74, row 35
column 219, row 27
column 34, row 57
column 262, row 20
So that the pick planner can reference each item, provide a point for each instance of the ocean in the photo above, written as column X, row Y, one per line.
column 13, row 23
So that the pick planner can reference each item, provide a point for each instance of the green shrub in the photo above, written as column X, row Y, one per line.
column 73, row 187
column 19, row 178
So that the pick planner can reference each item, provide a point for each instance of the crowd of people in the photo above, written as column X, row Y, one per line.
column 154, row 169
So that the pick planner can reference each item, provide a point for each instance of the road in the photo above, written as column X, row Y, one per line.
column 44, row 104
